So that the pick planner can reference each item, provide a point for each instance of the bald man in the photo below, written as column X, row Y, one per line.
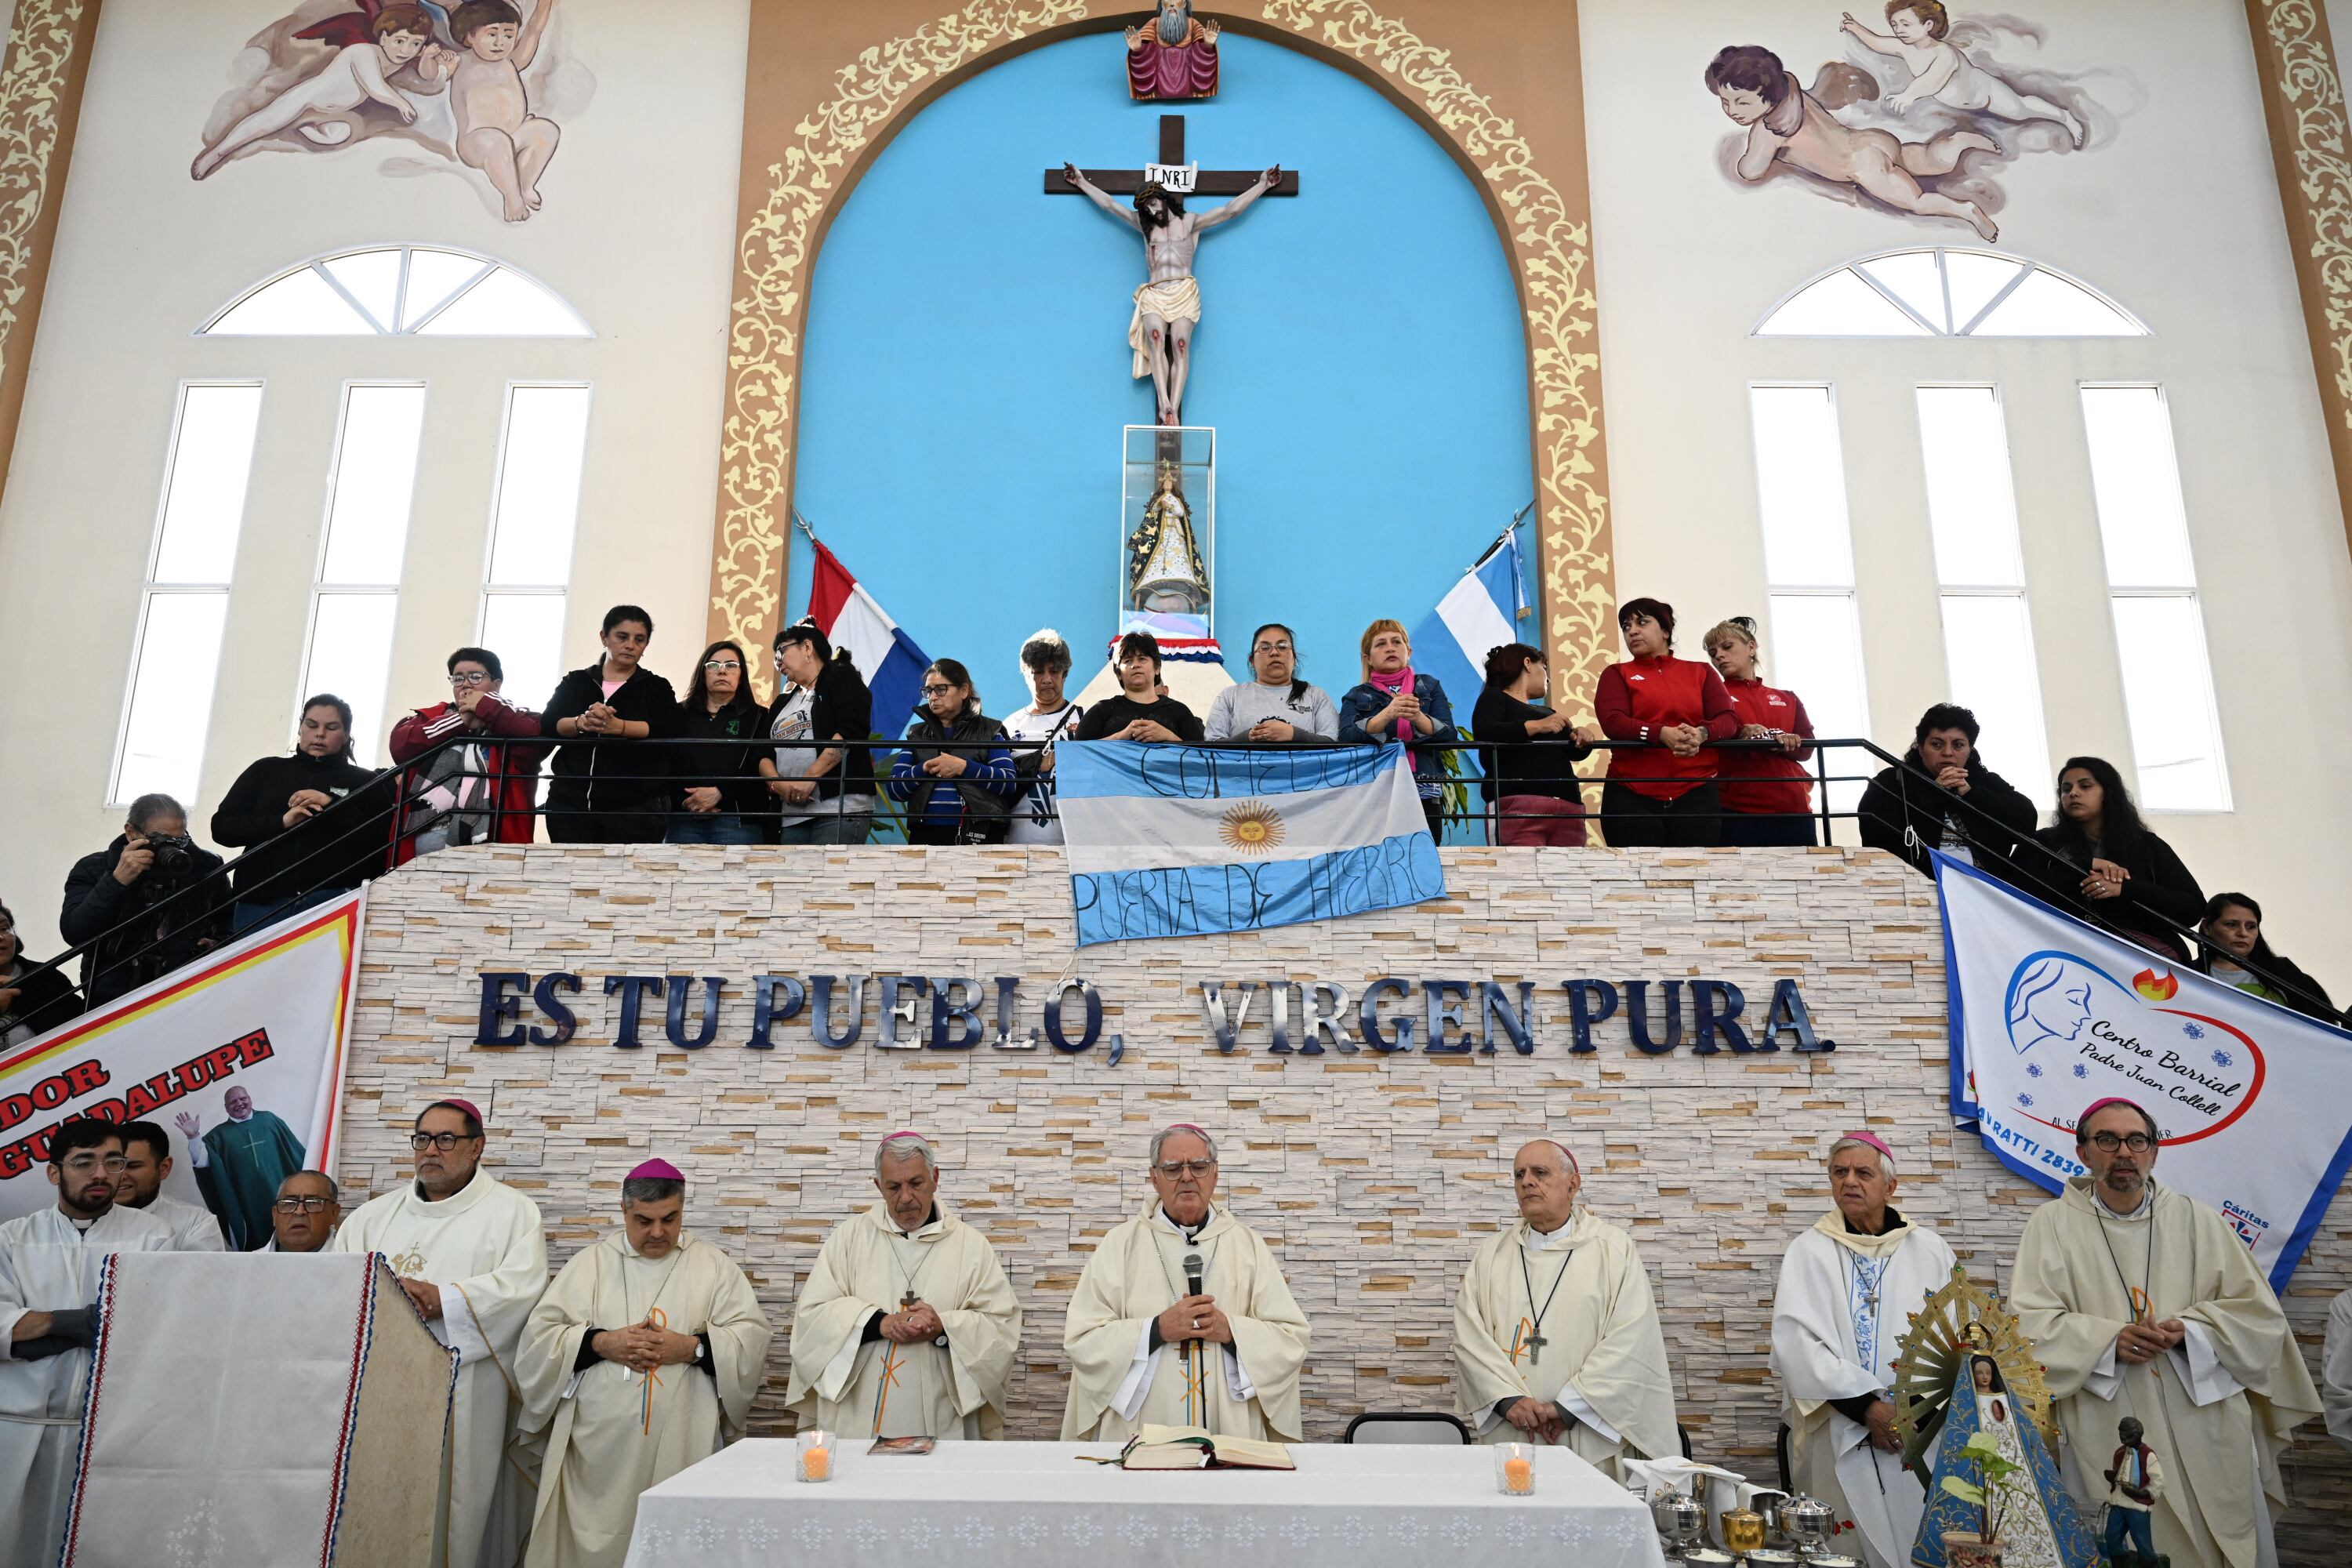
column 1556, row 1336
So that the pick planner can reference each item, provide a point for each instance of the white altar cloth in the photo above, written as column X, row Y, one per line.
column 1036, row 1505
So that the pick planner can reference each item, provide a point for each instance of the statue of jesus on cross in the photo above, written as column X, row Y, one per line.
column 1168, row 306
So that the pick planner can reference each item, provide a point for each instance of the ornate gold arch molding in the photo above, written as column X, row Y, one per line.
column 2303, row 100
column 791, row 192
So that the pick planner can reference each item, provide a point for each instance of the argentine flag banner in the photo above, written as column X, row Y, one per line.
column 2050, row 1016
column 1185, row 840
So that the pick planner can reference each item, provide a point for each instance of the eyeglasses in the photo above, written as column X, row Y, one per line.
column 469, row 678
column 445, row 1141
column 83, row 1164
column 936, row 689
column 2138, row 1142
column 715, row 665
column 302, row 1205
column 1174, row 1168
column 1271, row 648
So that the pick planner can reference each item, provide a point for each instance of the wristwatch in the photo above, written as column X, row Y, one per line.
column 697, row 1353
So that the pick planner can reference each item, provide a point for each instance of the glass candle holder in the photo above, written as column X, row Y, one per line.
column 1514, row 1470
column 813, row 1456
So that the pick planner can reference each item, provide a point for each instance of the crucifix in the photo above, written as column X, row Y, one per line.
column 1168, row 305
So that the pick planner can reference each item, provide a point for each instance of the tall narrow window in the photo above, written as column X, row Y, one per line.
column 2152, row 591
column 1980, row 579
column 1813, row 644
column 358, row 589
column 536, row 513
column 184, row 606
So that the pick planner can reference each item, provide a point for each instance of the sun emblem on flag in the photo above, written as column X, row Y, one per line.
column 1252, row 828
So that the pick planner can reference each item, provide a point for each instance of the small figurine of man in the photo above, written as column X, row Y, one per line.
column 2134, row 1483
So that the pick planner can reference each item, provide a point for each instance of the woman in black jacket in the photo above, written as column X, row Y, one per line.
column 294, row 856
column 2230, row 937
column 606, row 793
column 30, row 1004
column 2129, row 873
column 716, row 794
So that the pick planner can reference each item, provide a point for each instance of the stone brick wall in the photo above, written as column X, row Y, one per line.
column 1372, row 1175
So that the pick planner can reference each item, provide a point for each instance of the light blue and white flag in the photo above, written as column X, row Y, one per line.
column 1185, row 840
column 2050, row 1016
column 1481, row 611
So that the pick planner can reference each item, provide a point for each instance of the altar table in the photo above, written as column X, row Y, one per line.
column 1038, row 1505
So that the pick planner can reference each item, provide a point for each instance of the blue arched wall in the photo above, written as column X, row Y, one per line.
column 965, row 373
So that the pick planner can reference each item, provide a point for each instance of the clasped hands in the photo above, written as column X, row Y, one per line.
column 2107, row 879
column 1196, row 1318
column 1682, row 739
column 946, row 766
column 2139, row 1344
column 305, row 803
column 1148, row 729
column 642, row 1347
column 1404, row 705
column 1789, row 742
column 915, row 1325
column 1537, row 1418
column 599, row 719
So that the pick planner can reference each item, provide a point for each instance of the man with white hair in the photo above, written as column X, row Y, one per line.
column 1181, row 1317
column 1848, row 1285
column 1556, row 1336
column 907, row 1327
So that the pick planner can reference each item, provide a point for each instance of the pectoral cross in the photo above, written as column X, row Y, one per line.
column 1535, row 1343
column 906, row 1302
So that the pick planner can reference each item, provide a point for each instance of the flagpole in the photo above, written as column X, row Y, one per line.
column 1501, row 539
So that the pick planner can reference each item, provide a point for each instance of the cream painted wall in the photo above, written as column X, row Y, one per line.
column 637, row 232
column 2178, row 218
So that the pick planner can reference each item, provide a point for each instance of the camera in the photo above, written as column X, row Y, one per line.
column 170, row 848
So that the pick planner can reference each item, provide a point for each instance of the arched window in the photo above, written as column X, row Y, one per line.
column 1946, row 293
column 399, row 291
column 1925, row 293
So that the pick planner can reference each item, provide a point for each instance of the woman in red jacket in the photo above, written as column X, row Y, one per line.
column 1768, row 796
column 483, row 788
column 1661, row 794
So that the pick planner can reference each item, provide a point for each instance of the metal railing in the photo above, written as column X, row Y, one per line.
column 375, row 824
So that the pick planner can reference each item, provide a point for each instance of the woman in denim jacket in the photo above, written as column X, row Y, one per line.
column 1395, row 702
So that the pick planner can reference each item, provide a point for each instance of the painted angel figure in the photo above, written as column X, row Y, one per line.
column 1918, row 35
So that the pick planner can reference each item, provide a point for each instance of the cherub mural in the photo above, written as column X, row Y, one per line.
column 476, row 84
column 1918, row 120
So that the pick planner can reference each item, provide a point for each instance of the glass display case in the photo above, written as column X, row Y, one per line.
column 1167, row 530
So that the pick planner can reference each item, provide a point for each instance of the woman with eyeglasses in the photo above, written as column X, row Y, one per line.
column 715, row 789
column 30, row 1004
column 2128, row 873
column 480, row 783
column 956, row 775
column 604, row 792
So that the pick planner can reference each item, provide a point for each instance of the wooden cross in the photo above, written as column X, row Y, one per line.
column 1207, row 182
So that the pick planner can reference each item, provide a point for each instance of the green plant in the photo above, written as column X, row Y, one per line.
column 1995, row 1490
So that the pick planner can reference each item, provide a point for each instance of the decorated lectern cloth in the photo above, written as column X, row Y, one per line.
column 612, row 1432
column 1177, row 299
column 1119, row 1383
column 849, row 1384
column 193, row 1227
column 1036, row 1505
column 486, row 1247
column 1583, row 1293
column 1837, row 1322
column 2218, row 1409
column 48, row 1263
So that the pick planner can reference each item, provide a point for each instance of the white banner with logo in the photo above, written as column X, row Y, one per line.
column 241, row 1051
column 2049, row 1014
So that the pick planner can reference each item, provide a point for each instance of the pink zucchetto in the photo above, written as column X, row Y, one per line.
column 657, row 1169
column 466, row 1106
column 1873, row 1140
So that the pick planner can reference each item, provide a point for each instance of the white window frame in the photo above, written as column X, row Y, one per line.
column 150, row 589
column 560, row 590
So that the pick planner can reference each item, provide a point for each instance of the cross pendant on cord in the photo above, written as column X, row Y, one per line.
column 1535, row 1343
column 1172, row 172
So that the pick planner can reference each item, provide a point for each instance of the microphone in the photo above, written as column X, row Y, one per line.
column 1191, row 1273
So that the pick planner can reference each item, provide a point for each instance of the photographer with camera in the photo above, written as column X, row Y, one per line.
column 138, row 878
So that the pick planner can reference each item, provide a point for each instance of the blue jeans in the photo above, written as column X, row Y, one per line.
column 710, row 827
column 849, row 827
column 2133, row 1522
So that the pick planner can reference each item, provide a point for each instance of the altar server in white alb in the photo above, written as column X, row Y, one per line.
column 2144, row 1302
column 1181, row 1317
column 50, row 1263
column 641, row 1358
column 1848, row 1289
column 1556, row 1336
column 907, row 1327
column 146, row 1163
column 471, row 1252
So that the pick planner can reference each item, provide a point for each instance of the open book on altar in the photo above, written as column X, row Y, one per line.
column 1198, row 1448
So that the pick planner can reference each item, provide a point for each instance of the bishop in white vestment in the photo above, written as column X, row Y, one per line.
column 146, row 1165
column 907, row 1327
column 471, row 1252
column 1848, row 1288
column 2143, row 1302
column 641, row 1358
column 1147, row 1345
column 50, row 1263
column 1556, row 1336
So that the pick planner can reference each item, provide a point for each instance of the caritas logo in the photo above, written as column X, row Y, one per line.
column 2081, row 1035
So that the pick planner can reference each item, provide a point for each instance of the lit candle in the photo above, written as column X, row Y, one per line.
column 1519, row 1476
column 816, row 1463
